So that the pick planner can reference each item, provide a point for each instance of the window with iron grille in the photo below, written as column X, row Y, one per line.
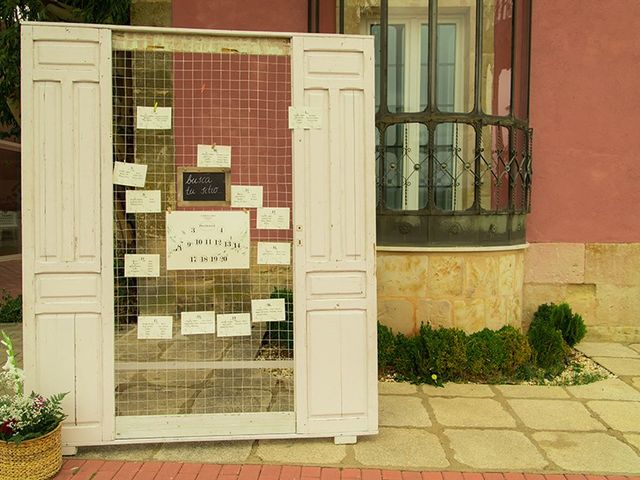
column 453, row 142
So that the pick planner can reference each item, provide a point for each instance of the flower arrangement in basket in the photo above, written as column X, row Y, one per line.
column 30, row 441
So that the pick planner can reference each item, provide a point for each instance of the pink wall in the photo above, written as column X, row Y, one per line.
column 265, row 15
column 585, row 111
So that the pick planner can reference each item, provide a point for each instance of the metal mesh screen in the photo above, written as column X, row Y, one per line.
column 218, row 99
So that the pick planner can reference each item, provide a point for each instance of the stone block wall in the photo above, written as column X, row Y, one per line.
column 601, row 281
column 469, row 290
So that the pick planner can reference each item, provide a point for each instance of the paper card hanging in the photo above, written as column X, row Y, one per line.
column 234, row 325
column 129, row 174
column 136, row 265
column 246, row 196
column 214, row 156
column 153, row 118
column 194, row 323
column 155, row 327
column 274, row 253
column 142, row 201
column 273, row 218
column 268, row 310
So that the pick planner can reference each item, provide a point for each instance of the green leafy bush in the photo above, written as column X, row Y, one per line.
column 10, row 308
column 434, row 356
column 561, row 317
column 549, row 351
column 386, row 348
column 281, row 333
column 570, row 324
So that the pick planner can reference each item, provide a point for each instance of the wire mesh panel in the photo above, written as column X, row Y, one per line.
column 202, row 227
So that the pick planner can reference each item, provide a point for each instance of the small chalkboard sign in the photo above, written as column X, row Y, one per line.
column 200, row 186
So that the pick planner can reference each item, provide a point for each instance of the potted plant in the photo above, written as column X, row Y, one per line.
column 30, row 441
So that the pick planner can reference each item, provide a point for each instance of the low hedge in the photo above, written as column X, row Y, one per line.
column 441, row 355
column 435, row 356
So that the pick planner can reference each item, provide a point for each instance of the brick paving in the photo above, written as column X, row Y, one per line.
column 75, row 469
column 11, row 276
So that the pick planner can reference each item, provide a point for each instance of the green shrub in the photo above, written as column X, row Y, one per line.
column 10, row 308
column 548, row 347
column 448, row 354
column 386, row 348
column 570, row 324
column 517, row 351
column 561, row 317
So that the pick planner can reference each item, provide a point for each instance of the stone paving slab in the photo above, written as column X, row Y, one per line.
column 308, row 451
column 588, row 452
column 532, row 391
column 623, row 416
column 633, row 439
column 470, row 412
column 402, row 411
column 635, row 381
column 609, row 389
column 208, row 452
column 607, row 349
column 620, row 366
column 565, row 415
column 494, row 449
column 397, row 388
column 458, row 390
column 403, row 448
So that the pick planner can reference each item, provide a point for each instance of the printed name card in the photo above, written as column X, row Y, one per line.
column 234, row 325
column 268, row 310
column 274, row 253
column 214, row 156
column 272, row 219
column 305, row 118
column 194, row 323
column 142, row 201
column 153, row 118
column 155, row 327
column 246, row 196
column 129, row 174
column 141, row 265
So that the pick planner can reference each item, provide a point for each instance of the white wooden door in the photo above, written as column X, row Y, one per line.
column 334, row 237
column 67, row 245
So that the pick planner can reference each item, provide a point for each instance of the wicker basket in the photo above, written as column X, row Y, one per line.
column 37, row 459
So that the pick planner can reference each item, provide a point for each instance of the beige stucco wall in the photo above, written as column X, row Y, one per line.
column 601, row 281
column 470, row 290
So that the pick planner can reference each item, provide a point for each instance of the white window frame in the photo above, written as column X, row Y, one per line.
column 413, row 19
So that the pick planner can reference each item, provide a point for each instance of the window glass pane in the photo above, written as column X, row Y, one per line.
column 456, row 52
column 395, row 66
column 446, row 74
column 454, row 166
column 496, row 57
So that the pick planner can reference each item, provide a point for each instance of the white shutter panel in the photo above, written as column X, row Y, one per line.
column 334, row 214
column 67, row 244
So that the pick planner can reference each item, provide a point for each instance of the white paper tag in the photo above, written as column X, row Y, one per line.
column 272, row 219
column 246, row 196
column 268, row 310
column 141, row 265
column 155, row 327
column 194, row 323
column 214, row 156
column 129, row 174
column 142, row 201
column 153, row 118
column 305, row 118
column 274, row 253
column 234, row 325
